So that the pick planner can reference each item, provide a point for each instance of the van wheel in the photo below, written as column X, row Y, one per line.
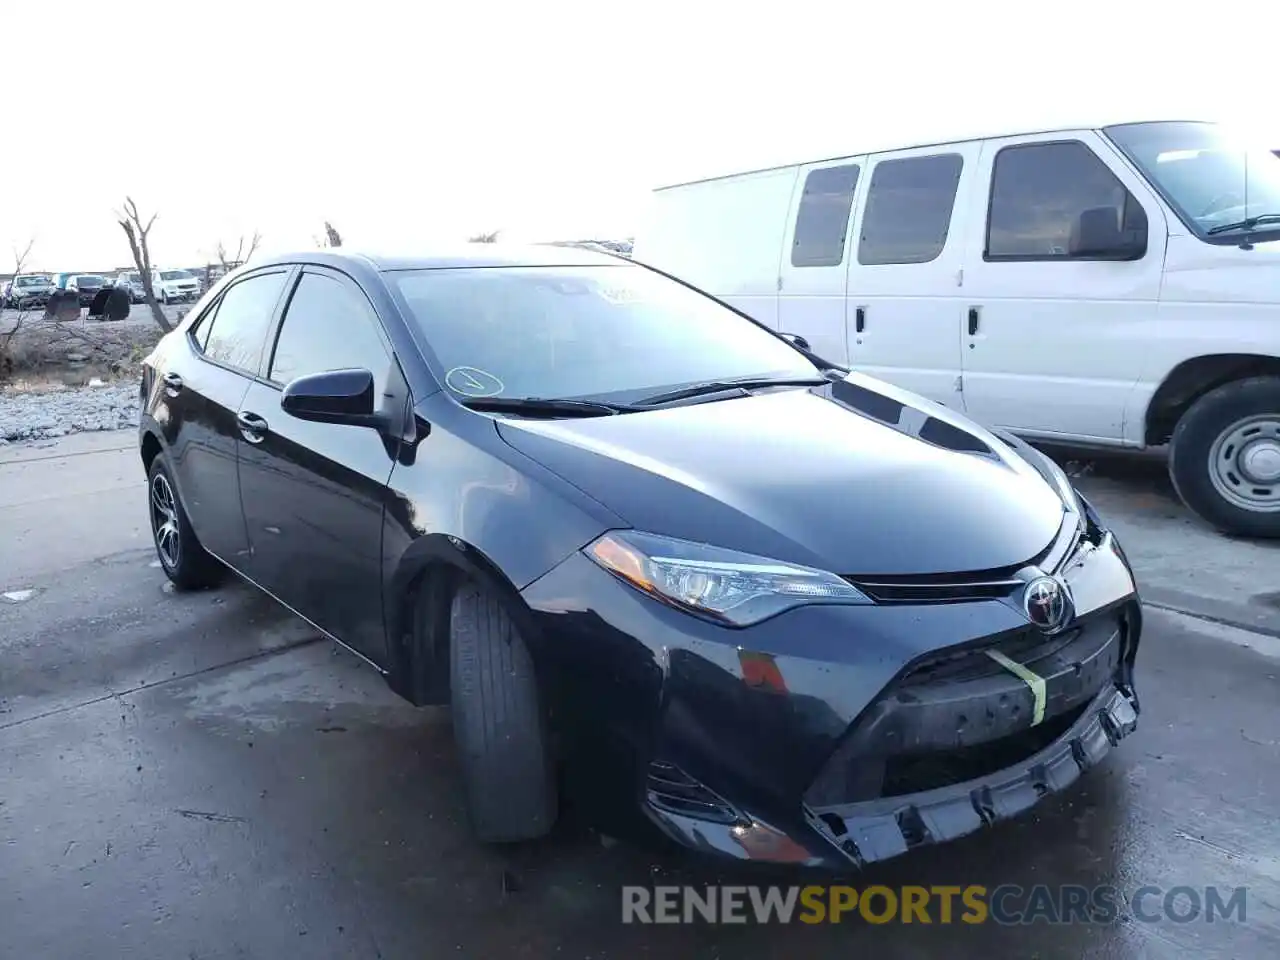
column 498, row 722
column 183, row 559
column 1225, row 457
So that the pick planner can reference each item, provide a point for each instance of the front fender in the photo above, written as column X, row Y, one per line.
column 474, row 508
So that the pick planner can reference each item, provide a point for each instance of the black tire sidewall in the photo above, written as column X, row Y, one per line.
column 1193, row 440
column 506, row 765
column 195, row 569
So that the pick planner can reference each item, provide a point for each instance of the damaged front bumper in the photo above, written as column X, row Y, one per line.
column 836, row 736
column 861, row 833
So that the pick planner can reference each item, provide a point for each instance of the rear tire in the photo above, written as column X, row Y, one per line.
column 1225, row 457
column 498, row 722
column 184, row 561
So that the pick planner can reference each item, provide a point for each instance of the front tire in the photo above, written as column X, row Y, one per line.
column 1225, row 457
column 498, row 722
column 184, row 561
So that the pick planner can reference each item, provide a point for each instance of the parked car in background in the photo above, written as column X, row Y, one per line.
column 175, row 286
column 85, row 286
column 623, row 531
column 28, row 290
column 1115, row 286
column 131, row 281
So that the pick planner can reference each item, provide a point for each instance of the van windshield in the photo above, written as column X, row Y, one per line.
column 1208, row 177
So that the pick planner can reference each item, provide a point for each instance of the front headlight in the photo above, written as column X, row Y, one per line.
column 724, row 586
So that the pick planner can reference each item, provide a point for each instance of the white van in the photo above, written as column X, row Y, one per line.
column 1114, row 285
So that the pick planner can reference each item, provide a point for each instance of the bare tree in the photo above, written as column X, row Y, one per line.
column 331, row 236
column 485, row 237
column 242, row 253
column 7, row 336
column 131, row 223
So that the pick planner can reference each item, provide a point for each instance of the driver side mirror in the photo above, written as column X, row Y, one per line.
column 797, row 341
column 1096, row 235
column 334, row 396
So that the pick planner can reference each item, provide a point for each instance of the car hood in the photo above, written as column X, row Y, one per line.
column 856, row 478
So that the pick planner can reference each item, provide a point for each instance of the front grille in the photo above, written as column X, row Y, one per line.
column 950, row 590
column 670, row 788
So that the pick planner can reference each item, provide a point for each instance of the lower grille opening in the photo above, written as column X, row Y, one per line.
column 670, row 788
column 912, row 774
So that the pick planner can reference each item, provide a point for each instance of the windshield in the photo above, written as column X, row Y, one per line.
column 88, row 281
column 32, row 281
column 616, row 332
column 1208, row 177
column 174, row 275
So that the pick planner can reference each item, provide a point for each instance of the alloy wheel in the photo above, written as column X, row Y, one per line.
column 164, row 521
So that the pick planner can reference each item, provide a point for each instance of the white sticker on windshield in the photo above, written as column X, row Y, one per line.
column 618, row 295
column 473, row 382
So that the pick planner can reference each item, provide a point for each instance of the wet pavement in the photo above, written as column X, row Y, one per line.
column 199, row 776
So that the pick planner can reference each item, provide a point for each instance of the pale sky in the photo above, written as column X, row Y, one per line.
column 418, row 122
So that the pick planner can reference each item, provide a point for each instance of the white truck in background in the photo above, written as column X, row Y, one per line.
column 1098, row 286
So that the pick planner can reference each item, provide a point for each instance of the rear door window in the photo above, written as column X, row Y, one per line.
column 239, row 329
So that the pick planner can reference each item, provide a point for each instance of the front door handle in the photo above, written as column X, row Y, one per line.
column 252, row 427
column 973, row 321
column 859, row 319
column 172, row 383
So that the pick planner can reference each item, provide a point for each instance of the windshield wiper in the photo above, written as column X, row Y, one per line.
column 539, row 407
column 723, row 386
column 1246, row 224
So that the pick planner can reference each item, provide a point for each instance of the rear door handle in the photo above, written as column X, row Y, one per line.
column 860, row 319
column 172, row 382
column 973, row 321
column 252, row 427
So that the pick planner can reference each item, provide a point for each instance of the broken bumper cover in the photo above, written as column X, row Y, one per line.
column 853, row 835
column 879, row 829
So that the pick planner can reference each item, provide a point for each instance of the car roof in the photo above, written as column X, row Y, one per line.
column 470, row 255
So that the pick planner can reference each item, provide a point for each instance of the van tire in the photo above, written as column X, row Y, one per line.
column 498, row 722
column 1202, row 458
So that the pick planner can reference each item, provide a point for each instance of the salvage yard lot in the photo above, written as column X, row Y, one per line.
column 201, row 776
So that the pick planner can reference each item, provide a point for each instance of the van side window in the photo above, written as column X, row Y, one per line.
column 822, row 221
column 908, row 211
column 1038, row 193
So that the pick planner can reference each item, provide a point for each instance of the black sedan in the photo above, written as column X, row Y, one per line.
column 652, row 553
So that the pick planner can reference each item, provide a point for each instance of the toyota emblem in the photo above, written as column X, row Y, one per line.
column 1047, row 604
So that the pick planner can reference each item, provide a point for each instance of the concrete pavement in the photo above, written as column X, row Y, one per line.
column 200, row 776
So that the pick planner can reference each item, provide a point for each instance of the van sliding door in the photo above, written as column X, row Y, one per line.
column 904, row 309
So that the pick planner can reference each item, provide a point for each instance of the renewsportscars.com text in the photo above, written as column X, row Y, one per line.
column 973, row 904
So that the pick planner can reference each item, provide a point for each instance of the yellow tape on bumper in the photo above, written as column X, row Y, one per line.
column 1032, row 680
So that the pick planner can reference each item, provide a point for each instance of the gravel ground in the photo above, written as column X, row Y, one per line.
column 55, row 412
